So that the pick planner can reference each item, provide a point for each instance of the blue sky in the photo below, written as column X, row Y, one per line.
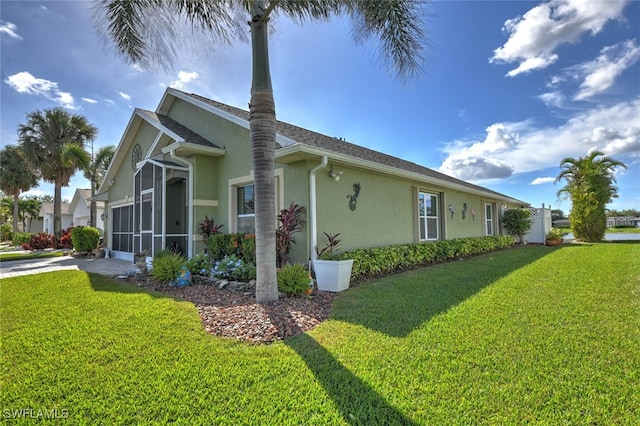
column 509, row 88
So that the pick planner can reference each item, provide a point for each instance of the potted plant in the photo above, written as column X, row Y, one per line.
column 332, row 274
column 554, row 237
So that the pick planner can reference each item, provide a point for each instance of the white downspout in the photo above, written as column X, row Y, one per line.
column 312, row 206
column 189, row 164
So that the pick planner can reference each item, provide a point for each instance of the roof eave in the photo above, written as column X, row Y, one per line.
column 300, row 152
column 186, row 149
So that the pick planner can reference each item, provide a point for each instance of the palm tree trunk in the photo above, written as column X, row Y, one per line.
column 94, row 207
column 16, row 212
column 262, row 126
column 57, row 210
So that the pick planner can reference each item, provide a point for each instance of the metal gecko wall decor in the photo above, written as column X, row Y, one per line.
column 353, row 199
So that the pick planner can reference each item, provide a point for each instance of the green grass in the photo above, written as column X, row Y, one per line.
column 6, row 257
column 623, row 231
column 528, row 335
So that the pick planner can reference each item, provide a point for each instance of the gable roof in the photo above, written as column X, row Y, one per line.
column 47, row 208
column 294, row 135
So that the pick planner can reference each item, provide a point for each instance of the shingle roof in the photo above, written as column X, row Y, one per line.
column 177, row 128
column 339, row 146
column 47, row 208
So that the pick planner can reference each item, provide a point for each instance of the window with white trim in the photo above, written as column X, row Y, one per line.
column 245, row 209
column 428, row 217
column 488, row 217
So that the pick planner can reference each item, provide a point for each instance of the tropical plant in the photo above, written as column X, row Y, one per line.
column 555, row 234
column 200, row 264
column 208, row 228
column 95, row 171
column 133, row 28
column 330, row 248
column 291, row 221
column 233, row 268
column 16, row 177
column 590, row 186
column 293, row 280
column 168, row 267
column 517, row 222
column 53, row 142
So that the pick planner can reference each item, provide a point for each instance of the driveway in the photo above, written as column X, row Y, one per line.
column 105, row 266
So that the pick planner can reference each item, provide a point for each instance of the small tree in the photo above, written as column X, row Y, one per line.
column 517, row 222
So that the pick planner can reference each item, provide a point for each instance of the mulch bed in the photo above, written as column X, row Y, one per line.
column 237, row 314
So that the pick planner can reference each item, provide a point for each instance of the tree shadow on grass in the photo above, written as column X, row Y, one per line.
column 358, row 403
column 397, row 304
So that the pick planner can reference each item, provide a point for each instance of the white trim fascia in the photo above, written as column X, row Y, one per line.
column 393, row 171
column 194, row 148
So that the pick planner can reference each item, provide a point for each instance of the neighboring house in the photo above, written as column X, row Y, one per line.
column 628, row 221
column 80, row 209
column 46, row 213
column 192, row 157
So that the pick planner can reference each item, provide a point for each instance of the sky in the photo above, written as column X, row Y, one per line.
column 508, row 88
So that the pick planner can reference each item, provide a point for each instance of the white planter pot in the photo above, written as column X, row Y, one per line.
column 333, row 275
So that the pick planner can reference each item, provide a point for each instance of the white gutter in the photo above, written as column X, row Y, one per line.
column 312, row 205
column 189, row 164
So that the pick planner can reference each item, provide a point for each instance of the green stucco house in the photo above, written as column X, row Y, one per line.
column 192, row 157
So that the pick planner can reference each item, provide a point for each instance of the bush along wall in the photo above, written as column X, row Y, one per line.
column 379, row 261
column 239, row 245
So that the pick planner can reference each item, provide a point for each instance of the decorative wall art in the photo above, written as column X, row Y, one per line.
column 452, row 210
column 353, row 199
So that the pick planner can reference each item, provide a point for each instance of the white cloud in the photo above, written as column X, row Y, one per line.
column 512, row 148
column 534, row 36
column 554, row 99
column 24, row 82
column 9, row 29
column 124, row 96
column 543, row 180
column 184, row 77
column 601, row 73
column 90, row 101
column 136, row 67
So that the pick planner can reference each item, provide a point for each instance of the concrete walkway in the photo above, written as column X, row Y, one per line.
column 105, row 266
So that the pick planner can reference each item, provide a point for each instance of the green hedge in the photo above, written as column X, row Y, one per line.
column 85, row 238
column 242, row 246
column 378, row 261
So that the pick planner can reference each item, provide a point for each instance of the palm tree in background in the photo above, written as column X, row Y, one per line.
column 95, row 173
column 134, row 27
column 590, row 186
column 16, row 177
column 53, row 141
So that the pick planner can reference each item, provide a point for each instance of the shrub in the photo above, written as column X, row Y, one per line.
column 517, row 222
column 233, row 268
column 40, row 241
column 163, row 253
column 377, row 261
column 249, row 248
column 20, row 238
column 167, row 267
column 6, row 232
column 293, row 280
column 200, row 264
column 332, row 245
column 65, row 241
column 241, row 246
column 555, row 234
column 85, row 238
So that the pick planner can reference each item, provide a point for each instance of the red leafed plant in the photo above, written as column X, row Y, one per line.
column 208, row 228
column 291, row 221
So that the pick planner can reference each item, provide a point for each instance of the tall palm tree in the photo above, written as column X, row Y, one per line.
column 397, row 24
column 590, row 186
column 53, row 141
column 95, row 173
column 16, row 177
column 30, row 208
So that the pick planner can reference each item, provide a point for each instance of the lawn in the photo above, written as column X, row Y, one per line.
column 527, row 335
column 6, row 257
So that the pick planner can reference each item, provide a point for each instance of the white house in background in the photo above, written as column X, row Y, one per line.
column 80, row 209
column 46, row 213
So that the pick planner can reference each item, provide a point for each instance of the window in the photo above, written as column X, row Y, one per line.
column 488, row 217
column 246, row 209
column 428, row 216
column 122, row 223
